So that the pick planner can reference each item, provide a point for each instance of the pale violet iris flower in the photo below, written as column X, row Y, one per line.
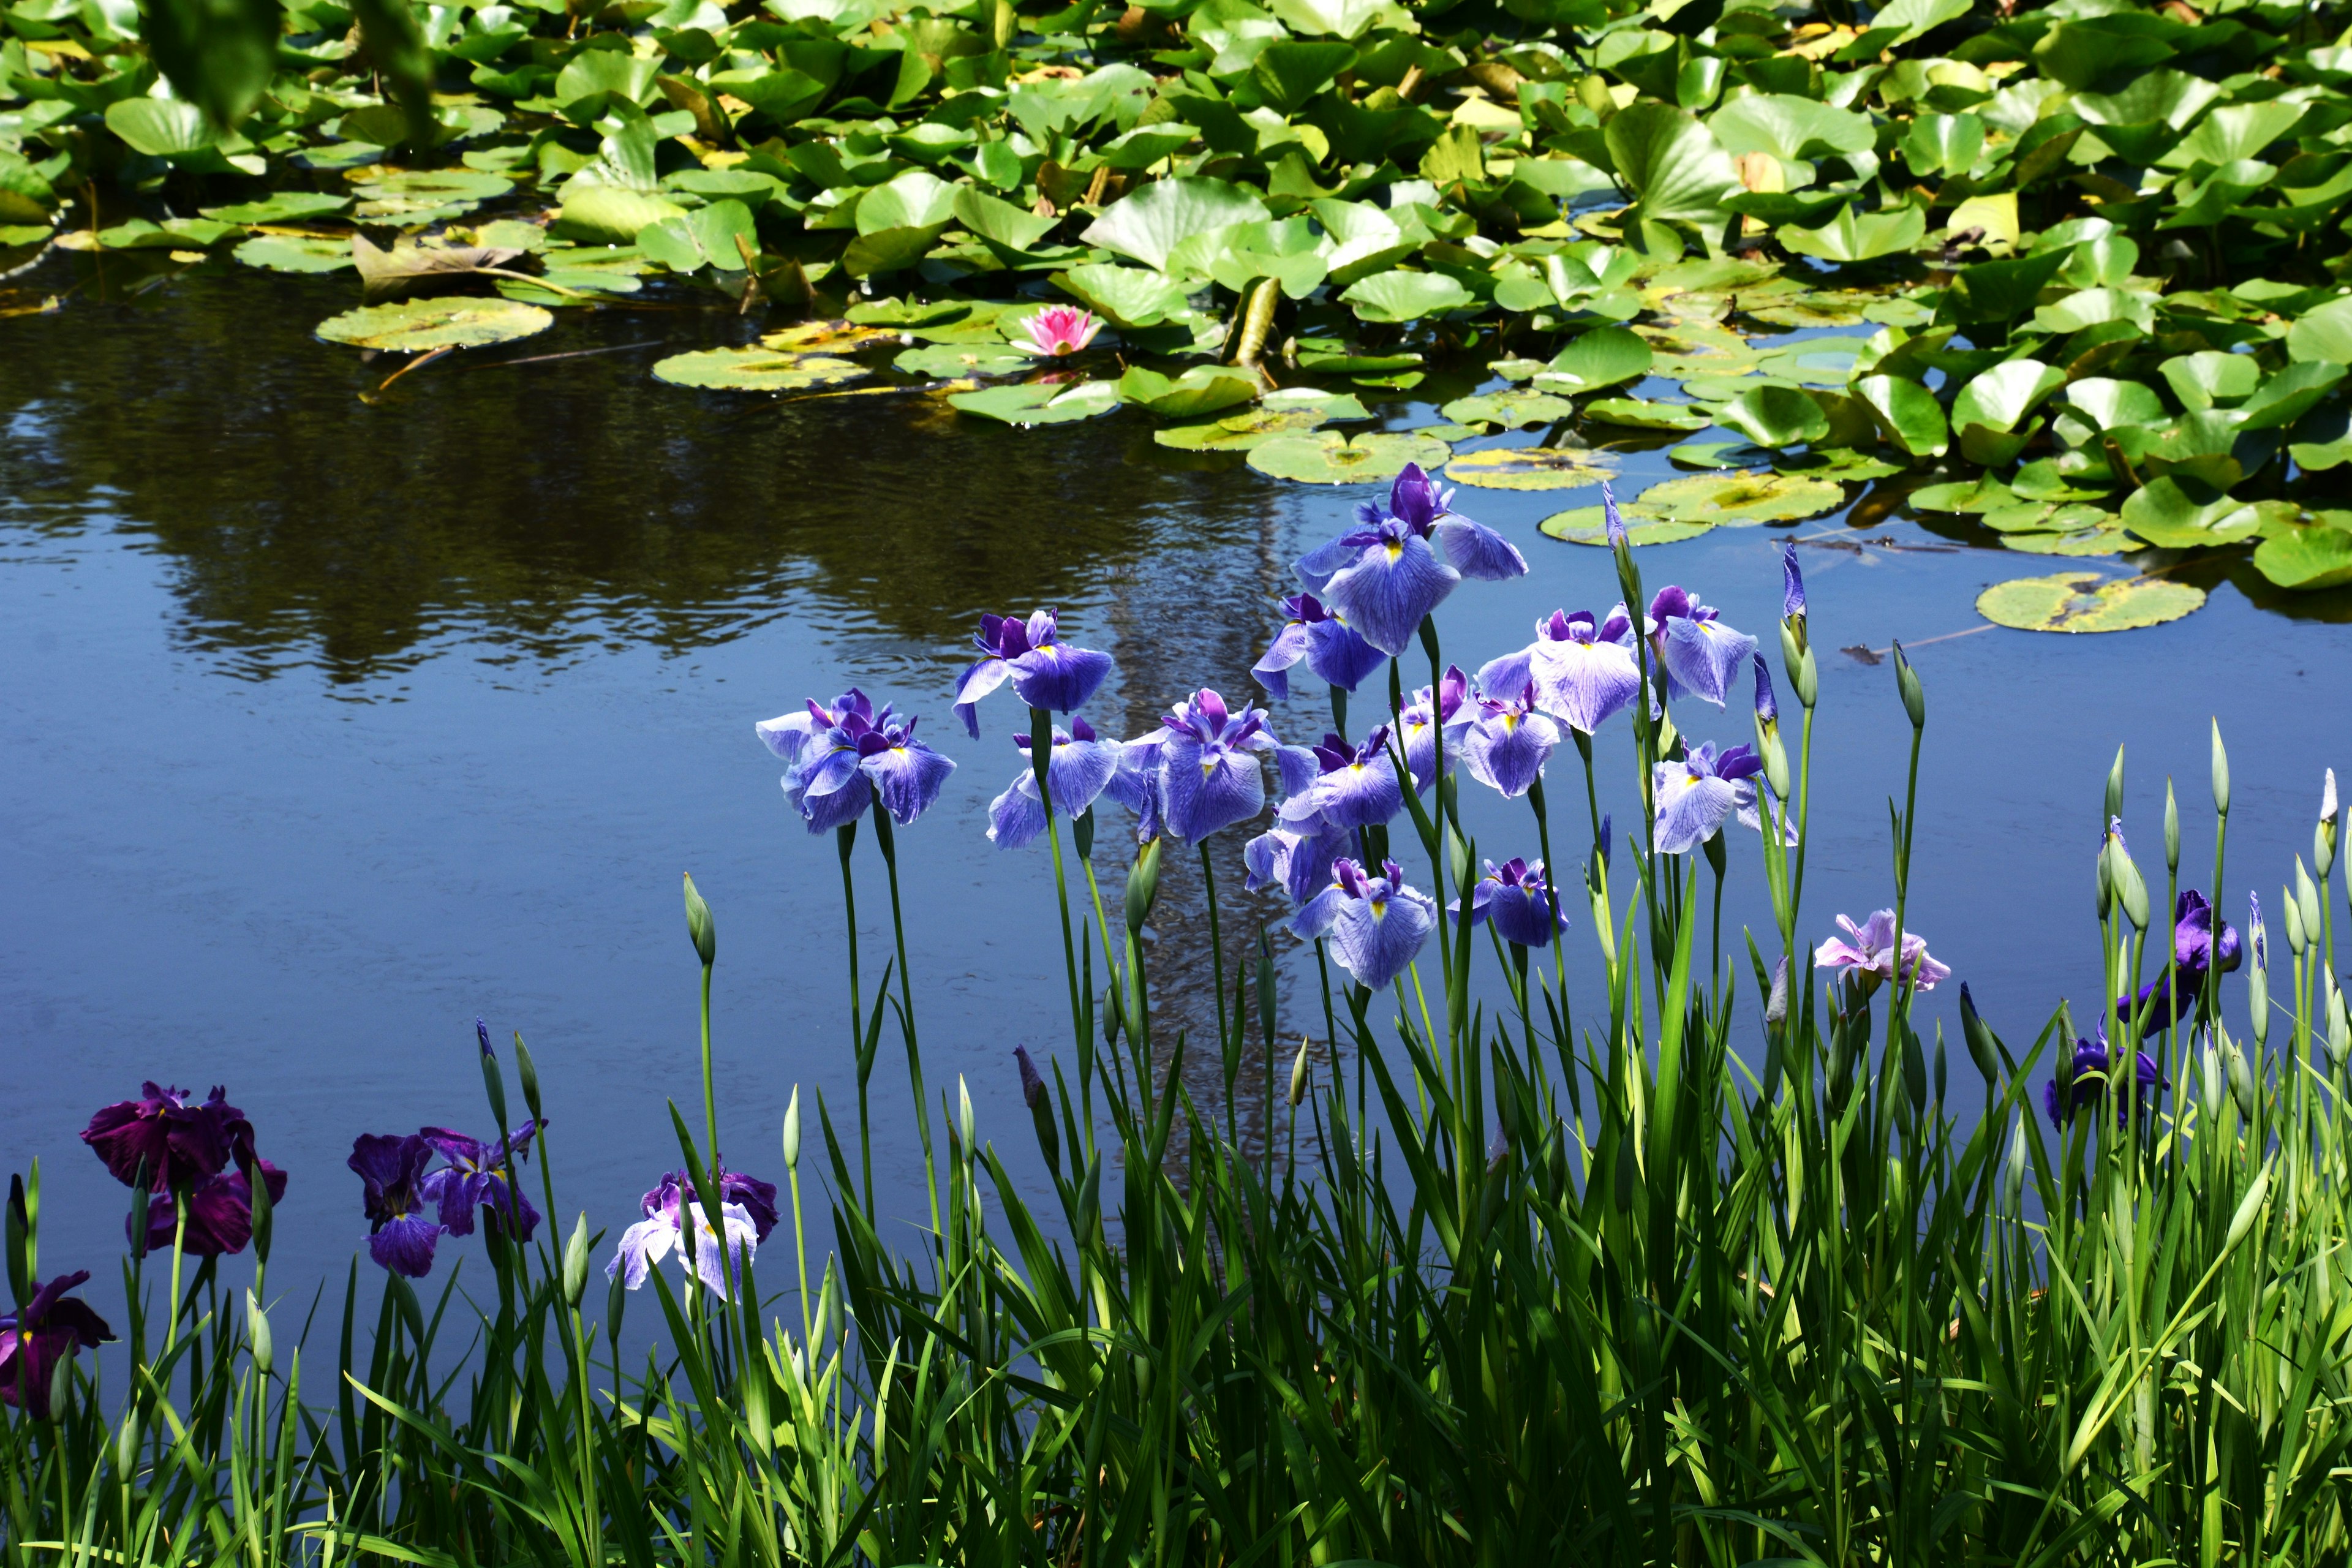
column 645, row 1243
column 1045, row 671
column 1202, row 765
column 1694, row 793
column 1376, row 924
column 1386, row 574
column 1579, row 678
column 839, row 759
column 1869, row 949
column 1505, row 745
column 1699, row 654
column 1328, row 645
column 1080, row 770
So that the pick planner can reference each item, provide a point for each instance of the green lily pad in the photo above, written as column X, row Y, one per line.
column 1040, row 403
column 1638, row 414
column 757, row 368
column 413, row 326
column 1736, row 499
column 1239, row 432
column 2174, row 516
column 1453, row 435
column 2085, row 601
column 1337, row 407
column 1717, row 455
column 2075, row 542
column 295, row 253
column 1511, row 410
column 1600, row 357
column 2044, row 517
column 1529, row 468
column 1203, row 389
column 944, row 360
column 1331, row 457
column 432, row 187
column 2307, row 558
column 1775, row 416
column 1400, row 296
column 1907, row 414
column 1588, row 525
column 285, row 206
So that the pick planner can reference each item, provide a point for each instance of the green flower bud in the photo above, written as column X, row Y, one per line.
column 792, row 1131
column 2306, row 898
column 1797, row 662
column 2241, row 1083
column 256, row 1332
column 2220, row 772
column 575, row 1261
column 2013, row 1179
column 698, row 927
column 1142, row 888
column 1298, row 1074
column 2171, row 830
column 2116, row 786
column 1906, row 683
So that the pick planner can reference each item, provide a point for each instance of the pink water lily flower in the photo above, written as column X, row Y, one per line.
column 1060, row 330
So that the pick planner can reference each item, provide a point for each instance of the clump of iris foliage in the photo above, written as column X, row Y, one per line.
column 2086, row 257
column 1681, row 1256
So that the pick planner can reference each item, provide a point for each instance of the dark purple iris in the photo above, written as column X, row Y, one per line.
column 1330, row 646
column 2094, row 1065
column 476, row 1177
column 401, row 1236
column 1032, row 1087
column 2193, row 949
column 220, row 1214
column 756, row 1197
column 52, row 1326
column 1521, row 901
column 1045, row 671
column 175, row 1141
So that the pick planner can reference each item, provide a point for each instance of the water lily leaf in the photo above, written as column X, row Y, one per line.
column 888, row 250
column 1907, row 414
column 433, row 187
column 2310, row 557
column 1337, row 407
column 2014, row 516
column 2079, row 602
column 1788, row 127
column 2098, row 307
column 999, row 221
column 1124, row 296
column 829, row 338
column 1287, row 74
column 1671, row 162
column 706, row 236
column 161, row 126
column 413, row 326
column 1529, row 468
column 1942, row 144
column 1997, row 398
column 2323, row 334
column 412, row 269
column 1588, row 525
column 172, row 234
column 1854, row 235
column 2212, row 379
column 758, row 369
column 1040, row 403
column 1599, row 357
column 2097, row 541
column 609, row 215
column 1239, row 432
column 2289, row 395
column 1331, row 457
column 2000, row 291
column 1963, row 496
column 1818, row 362
column 1775, row 416
column 285, row 206
column 1203, row 389
column 1639, row 414
column 295, row 253
column 2172, row 515
column 1721, row 499
column 1511, row 410
column 946, row 360
column 1400, row 296
column 1151, row 222
column 1717, row 455
column 1340, row 18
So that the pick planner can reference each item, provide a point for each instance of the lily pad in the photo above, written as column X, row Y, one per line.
column 755, row 370
column 1239, row 432
column 432, row 187
column 2307, row 558
column 1529, row 468
column 285, row 206
column 827, row 338
column 1775, row 416
column 1511, row 410
column 1203, row 389
column 1603, row 356
column 943, row 360
column 1402, row 296
column 1588, row 525
column 1735, row 500
column 2075, row 542
column 1040, row 403
column 1717, row 455
column 1638, row 414
column 295, row 253
column 2085, row 601
column 413, row 326
column 1331, row 457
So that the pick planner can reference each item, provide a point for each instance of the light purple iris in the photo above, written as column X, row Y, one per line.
column 1298, row 861
column 1336, row 785
column 51, row 1328
column 1329, row 644
column 2094, row 1065
column 1699, row 653
column 1518, row 898
column 1203, row 766
column 391, row 1169
column 1694, row 795
column 1418, row 727
column 755, row 1198
column 2256, row 933
column 1387, row 574
column 1376, row 924
column 1081, row 767
column 838, row 759
column 1869, row 949
column 1579, row 677
column 715, row 1259
column 476, row 1177
column 1792, row 583
column 1506, row 744
column 1045, row 671
column 2194, row 955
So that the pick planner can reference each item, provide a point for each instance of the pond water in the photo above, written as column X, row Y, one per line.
column 331, row 724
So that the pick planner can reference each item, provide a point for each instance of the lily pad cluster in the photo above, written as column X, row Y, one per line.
column 2075, row 272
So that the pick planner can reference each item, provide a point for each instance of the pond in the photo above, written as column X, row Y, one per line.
column 333, row 723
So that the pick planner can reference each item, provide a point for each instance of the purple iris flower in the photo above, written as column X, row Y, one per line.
column 1869, row 949
column 1579, row 676
column 675, row 1222
column 839, row 759
column 2095, row 1063
column 1699, row 653
column 400, row 1236
column 1694, row 795
column 220, row 1213
column 1032, row 1087
column 476, row 1177
column 1506, row 744
column 1613, row 523
column 1768, row 706
column 1521, row 901
column 1082, row 767
column 175, row 1141
column 1386, row 574
column 1206, row 773
column 1792, row 584
column 1298, row 860
column 1418, row 727
column 1329, row 644
column 2193, row 956
column 1376, row 923
column 52, row 1326
column 1045, row 671
column 2256, row 932
column 755, row 1198
column 1336, row 785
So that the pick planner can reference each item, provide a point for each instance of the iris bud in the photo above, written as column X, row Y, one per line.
column 1797, row 663
column 2258, row 1002
column 60, row 1389
column 1081, row 834
column 265, row 1219
column 2220, row 772
column 2210, row 1084
column 2131, row 889
column 575, row 1261
column 2013, row 1179
column 792, row 1131
column 2116, row 786
column 2241, row 1083
column 2107, row 886
column 2307, row 898
column 1940, row 1076
column 1915, row 1072
column 126, row 1446
column 2339, row 1027
column 1980, row 1038
column 1907, row 682
column 1298, row 1074
column 698, row 927
column 257, row 1335
column 832, row 1305
column 1089, row 1226
column 528, row 1071
column 2292, row 909
column 2171, row 829
column 20, row 1239
column 1776, row 1005
column 963, row 1110
column 1142, row 888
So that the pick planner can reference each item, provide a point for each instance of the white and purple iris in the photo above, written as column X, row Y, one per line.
column 839, row 759
column 672, row 1212
column 1376, row 924
column 1329, row 646
column 1385, row 575
column 1336, row 785
column 1693, row 794
column 1505, row 745
column 1868, row 950
column 1429, row 713
column 1520, row 900
column 1699, row 654
column 1045, row 671
column 1579, row 677
column 1080, row 769
column 1198, row 771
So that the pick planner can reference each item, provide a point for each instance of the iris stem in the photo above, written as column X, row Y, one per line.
column 883, row 837
column 846, row 837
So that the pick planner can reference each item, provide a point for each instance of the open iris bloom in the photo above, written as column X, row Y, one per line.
column 1695, row 794
column 2194, row 955
column 1376, row 924
column 1045, row 671
column 1060, row 330
column 1080, row 768
column 1298, row 860
column 2095, row 1067
column 401, row 1236
column 1699, row 654
column 1428, row 714
column 1204, row 762
column 1329, row 644
column 1506, row 744
column 186, row 1150
column 666, row 1229
column 1336, row 785
column 841, row 758
column 1868, row 950
column 1518, row 898
column 476, row 1177
column 1387, row 574
column 33, row 1342
column 755, row 1198
column 1579, row 677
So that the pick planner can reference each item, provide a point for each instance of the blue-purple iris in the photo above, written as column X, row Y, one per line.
column 476, row 1177
column 2194, row 953
column 1201, row 766
column 1329, row 644
column 2094, row 1066
column 391, row 1169
column 1792, row 583
column 1695, row 794
column 1699, row 653
column 1386, row 574
column 1336, row 785
column 1080, row 769
column 1376, row 924
column 1427, row 715
column 676, row 1223
column 1298, row 860
column 1045, row 671
column 1520, row 900
column 1580, row 677
column 2256, row 932
column 1506, row 744
column 1768, row 706
column 839, row 759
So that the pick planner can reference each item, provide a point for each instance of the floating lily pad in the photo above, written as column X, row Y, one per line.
column 1590, row 525
column 965, row 359
column 2307, row 558
column 285, row 206
column 1638, row 414
column 1717, row 455
column 1529, row 468
column 1331, row 457
column 413, row 326
column 2044, row 517
column 825, row 338
column 2085, row 601
column 1040, row 403
column 295, row 253
column 432, row 187
column 1511, row 410
column 2076, row 542
column 1203, row 389
column 1453, row 435
column 1735, row 500
column 1239, row 432
column 755, row 370
column 1337, row 407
